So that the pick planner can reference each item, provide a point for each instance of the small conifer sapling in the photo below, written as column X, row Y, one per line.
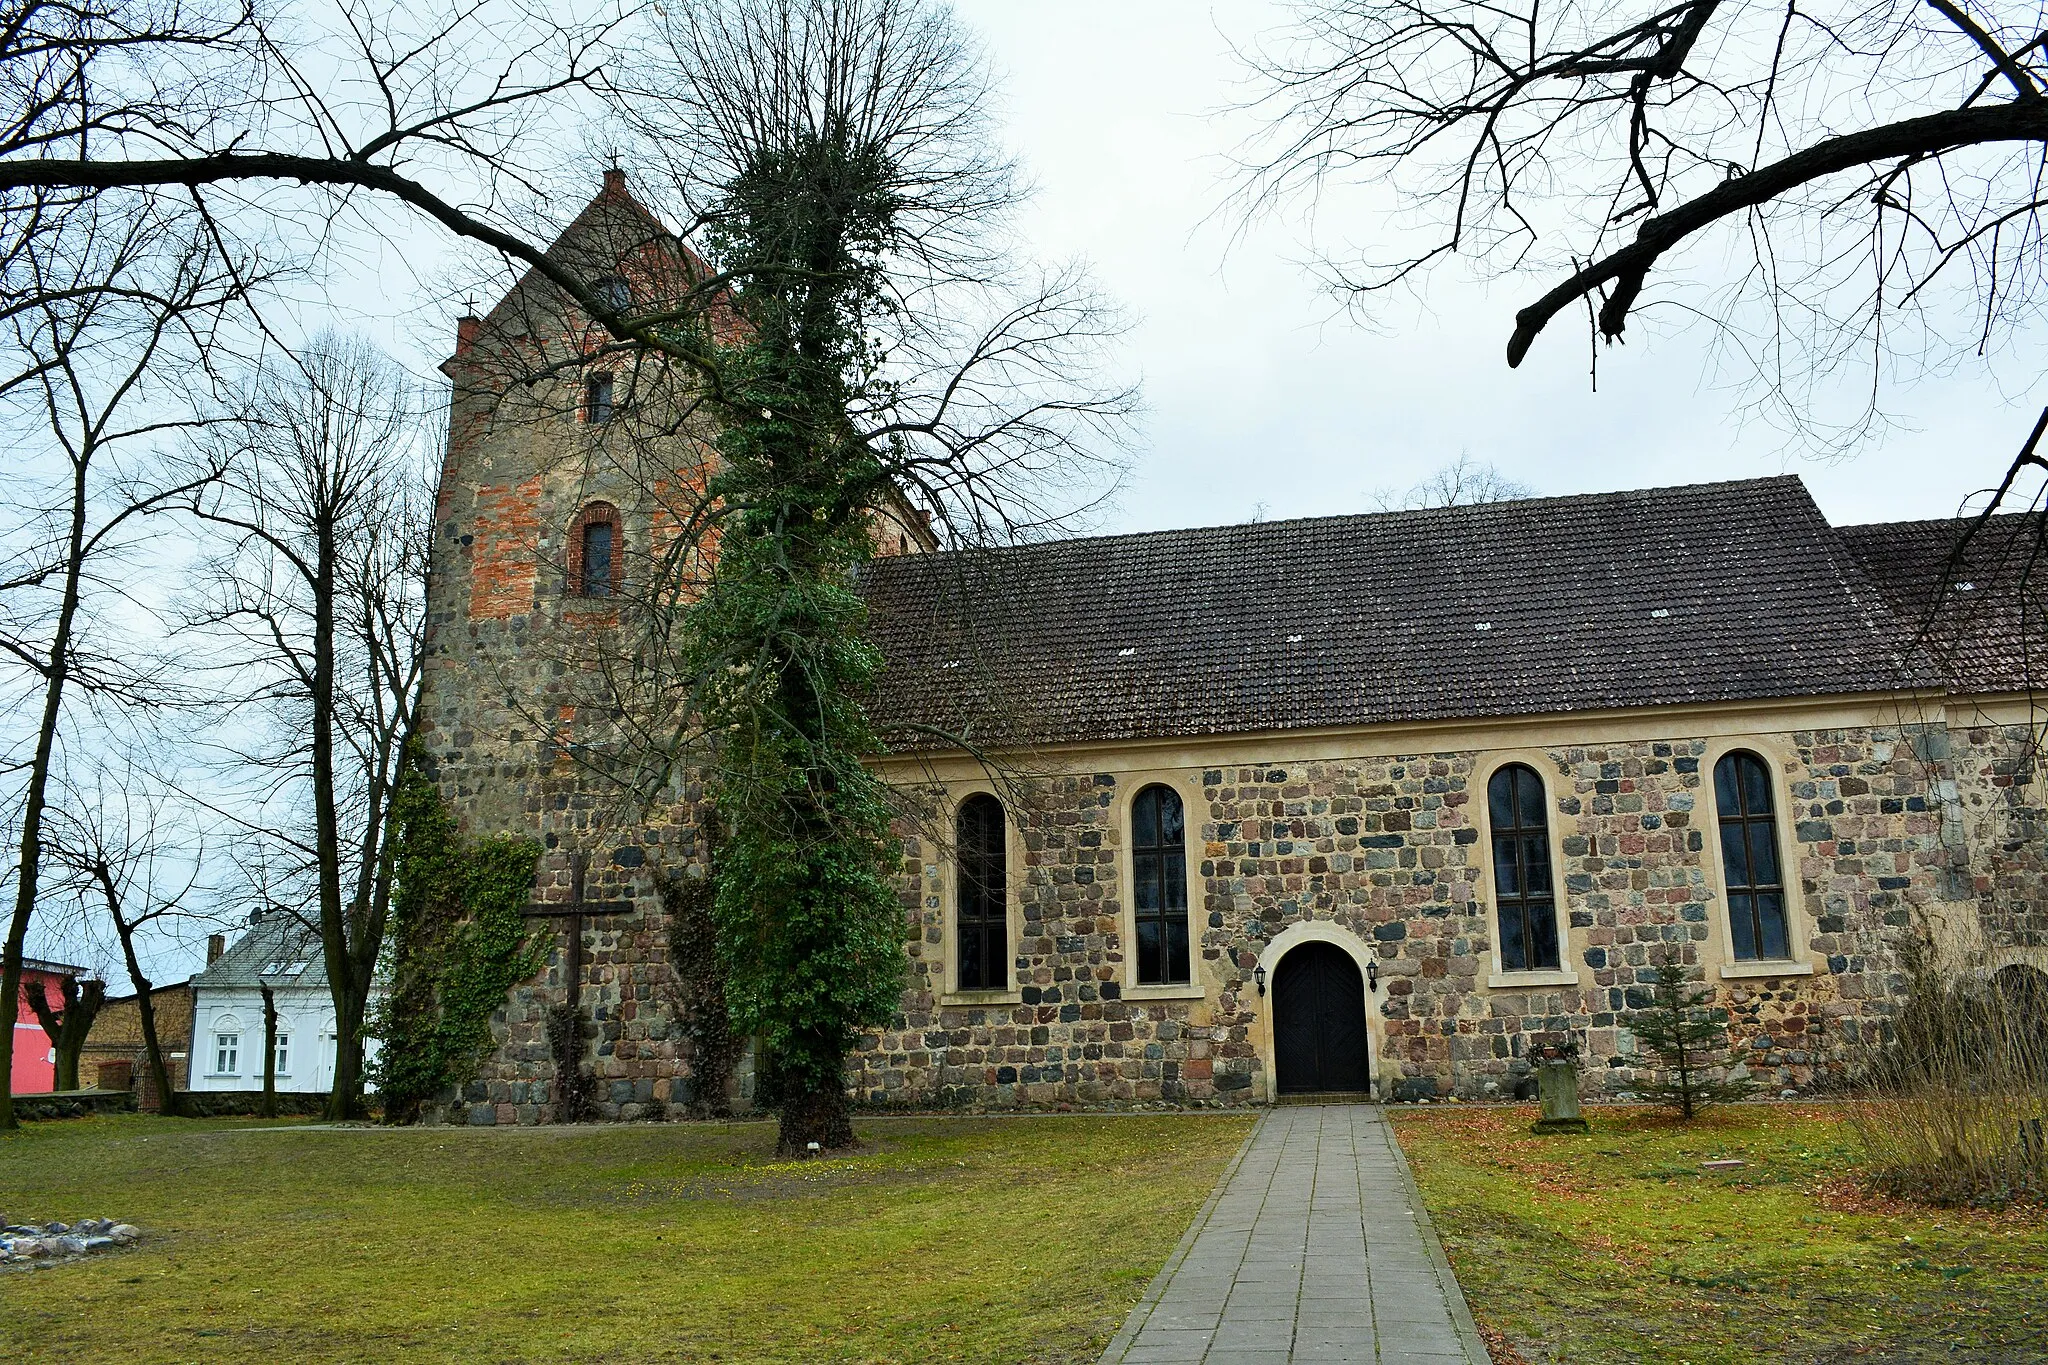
column 1681, row 1031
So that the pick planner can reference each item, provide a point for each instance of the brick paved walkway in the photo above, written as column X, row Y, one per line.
column 1314, row 1248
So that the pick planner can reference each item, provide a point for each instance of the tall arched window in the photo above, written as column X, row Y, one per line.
column 981, row 905
column 598, row 402
column 1523, row 893
column 596, row 552
column 1750, row 867
column 1159, row 886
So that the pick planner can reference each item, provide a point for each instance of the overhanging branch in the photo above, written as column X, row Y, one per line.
column 50, row 173
column 1628, row 268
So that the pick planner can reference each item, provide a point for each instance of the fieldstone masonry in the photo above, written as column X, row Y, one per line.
column 1390, row 850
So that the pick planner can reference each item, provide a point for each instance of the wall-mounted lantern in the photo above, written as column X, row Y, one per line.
column 1259, row 975
column 1372, row 976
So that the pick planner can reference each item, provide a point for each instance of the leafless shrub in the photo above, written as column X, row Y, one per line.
column 1951, row 1098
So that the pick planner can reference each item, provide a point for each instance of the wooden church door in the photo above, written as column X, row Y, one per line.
column 1319, row 1033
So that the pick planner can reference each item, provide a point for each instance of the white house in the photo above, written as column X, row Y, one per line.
column 282, row 953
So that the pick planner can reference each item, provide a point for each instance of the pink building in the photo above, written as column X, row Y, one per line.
column 35, row 1057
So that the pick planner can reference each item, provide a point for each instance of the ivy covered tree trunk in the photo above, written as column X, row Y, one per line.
column 809, row 929
column 860, row 343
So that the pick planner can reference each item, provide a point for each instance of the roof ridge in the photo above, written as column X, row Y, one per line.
column 1467, row 509
column 1920, row 522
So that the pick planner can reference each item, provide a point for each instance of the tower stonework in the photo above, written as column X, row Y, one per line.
column 572, row 465
column 519, row 629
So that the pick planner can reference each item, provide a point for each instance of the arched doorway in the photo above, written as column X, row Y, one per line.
column 1320, row 1042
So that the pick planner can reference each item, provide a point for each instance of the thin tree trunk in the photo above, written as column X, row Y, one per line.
column 269, row 1109
column 334, row 938
column 57, row 671
column 152, row 1049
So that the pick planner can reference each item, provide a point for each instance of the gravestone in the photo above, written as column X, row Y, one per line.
column 1557, row 1084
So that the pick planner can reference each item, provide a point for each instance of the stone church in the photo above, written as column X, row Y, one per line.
column 1364, row 803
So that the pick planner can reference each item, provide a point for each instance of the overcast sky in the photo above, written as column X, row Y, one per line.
column 1258, row 391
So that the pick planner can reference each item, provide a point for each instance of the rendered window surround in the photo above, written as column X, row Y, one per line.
column 1706, row 815
column 575, row 586
column 1187, row 786
column 283, row 1065
column 950, row 992
column 1570, row 957
column 227, row 1052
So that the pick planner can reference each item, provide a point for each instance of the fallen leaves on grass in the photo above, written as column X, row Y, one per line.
column 1499, row 1349
column 1852, row 1194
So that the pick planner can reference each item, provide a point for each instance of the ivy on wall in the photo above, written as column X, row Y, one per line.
column 458, row 943
column 699, row 1002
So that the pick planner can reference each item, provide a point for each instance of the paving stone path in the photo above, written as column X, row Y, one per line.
column 1314, row 1248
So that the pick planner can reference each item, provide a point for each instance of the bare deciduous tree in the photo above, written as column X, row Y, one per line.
column 1461, row 483
column 67, row 1025
column 318, row 496
column 120, row 853
column 107, row 343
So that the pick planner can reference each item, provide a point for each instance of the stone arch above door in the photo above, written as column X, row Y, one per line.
column 1290, row 938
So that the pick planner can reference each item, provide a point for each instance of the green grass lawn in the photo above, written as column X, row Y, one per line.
column 942, row 1239
column 1618, row 1247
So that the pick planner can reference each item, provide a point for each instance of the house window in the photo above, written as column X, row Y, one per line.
column 227, row 1053
column 596, row 552
column 1159, row 886
column 283, row 1060
column 1523, row 893
column 983, row 895
column 597, row 399
column 1750, row 868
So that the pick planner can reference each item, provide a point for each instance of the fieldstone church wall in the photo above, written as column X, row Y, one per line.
column 1389, row 849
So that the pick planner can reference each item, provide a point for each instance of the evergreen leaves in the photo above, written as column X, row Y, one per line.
column 458, row 943
column 1689, row 1039
column 809, row 929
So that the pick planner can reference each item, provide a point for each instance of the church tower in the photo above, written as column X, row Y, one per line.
column 567, row 459
column 573, row 466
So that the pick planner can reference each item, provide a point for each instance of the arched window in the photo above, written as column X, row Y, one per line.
column 1750, row 867
column 227, row 1045
column 598, row 403
column 596, row 552
column 981, row 905
column 1523, row 893
column 1159, row 886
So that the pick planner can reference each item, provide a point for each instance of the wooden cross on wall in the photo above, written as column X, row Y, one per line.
column 571, row 912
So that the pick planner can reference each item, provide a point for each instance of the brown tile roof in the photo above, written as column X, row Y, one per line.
column 1983, row 610
column 1714, row 592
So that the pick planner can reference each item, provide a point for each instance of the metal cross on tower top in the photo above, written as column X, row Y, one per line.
column 572, row 912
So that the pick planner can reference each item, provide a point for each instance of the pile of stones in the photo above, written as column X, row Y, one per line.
column 28, row 1242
